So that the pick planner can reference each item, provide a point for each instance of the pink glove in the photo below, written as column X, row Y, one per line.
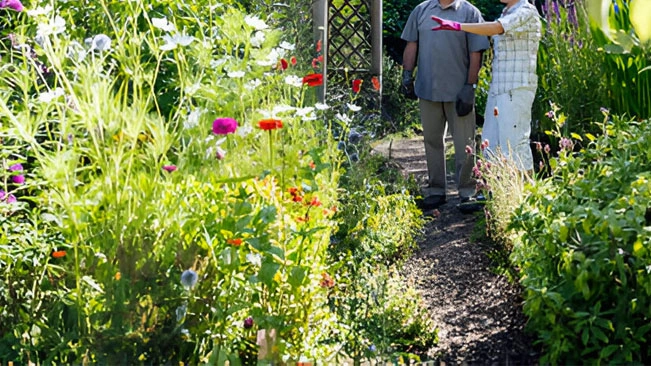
column 446, row 24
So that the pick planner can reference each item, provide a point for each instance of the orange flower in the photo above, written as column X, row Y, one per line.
column 357, row 83
column 270, row 124
column 315, row 202
column 318, row 45
column 297, row 198
column 312, row 165
column 234, row 242
column 376, row 83
column 313, row 79
column 59, row 254
column 306, row 218
column 118, row 275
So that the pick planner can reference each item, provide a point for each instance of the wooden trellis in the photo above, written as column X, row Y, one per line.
column 351, row 34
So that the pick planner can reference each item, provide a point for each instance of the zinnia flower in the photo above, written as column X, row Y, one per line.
column 270, row 124
column 169, row 168
column 224, row 126
column 234, row 242
column 59, row 254
column 189, row 278
column 313, row 79
column 11, row 4
column 357, row 84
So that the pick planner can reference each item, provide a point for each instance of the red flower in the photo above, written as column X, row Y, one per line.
column 496, row 112
column 313, row 79
column 326, row 281
column 270, row 124
column 312, row 165
column 376, row 83
column 293, row 61
column 283, row 64
column 59, row 254
column 315, row 202
column 234, row 242
column 318, row 46
column 357, row 83
column 316, row 61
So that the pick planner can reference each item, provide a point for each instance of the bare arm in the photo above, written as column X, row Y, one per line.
column 473, row 69
column 483, row 29
column 409, row 56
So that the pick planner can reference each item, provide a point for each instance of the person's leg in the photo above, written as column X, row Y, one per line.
column 463, row 135
column 516, row 127
column 434, row 129
column 490, row 130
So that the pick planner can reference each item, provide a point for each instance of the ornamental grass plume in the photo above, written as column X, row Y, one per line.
column 224, row 126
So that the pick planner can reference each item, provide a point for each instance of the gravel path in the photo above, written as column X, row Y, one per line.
column 479, row 313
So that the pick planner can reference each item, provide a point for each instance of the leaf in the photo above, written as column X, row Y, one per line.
column 268, row 271
column 598, row 13
column 590, row 136
column 606, row 352
column 576, row 136
column 297, row 276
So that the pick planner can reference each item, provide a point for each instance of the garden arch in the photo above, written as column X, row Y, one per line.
column 351, row 35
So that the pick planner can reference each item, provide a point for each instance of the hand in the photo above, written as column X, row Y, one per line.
column 446, row 24
column 407, row 90
column 465, row 100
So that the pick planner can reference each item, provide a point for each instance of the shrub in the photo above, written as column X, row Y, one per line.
column 583, row 254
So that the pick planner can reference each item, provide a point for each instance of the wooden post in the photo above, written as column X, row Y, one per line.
column 376, row 41
column 320, row 19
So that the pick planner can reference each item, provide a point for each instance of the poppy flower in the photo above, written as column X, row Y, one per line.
column 313, row 79
column 59, row 254
column 376, row 83
column 284, row 64
column 357, row 83
column 318, row 45
column 234, row 242
column 293, row 61
column 224, row 126
column 270, row 124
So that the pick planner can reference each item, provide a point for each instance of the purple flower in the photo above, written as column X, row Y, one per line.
column 224, row 126
column 10, row 198
column 11, row 4
column 18, row 179
column 169, row 168
column 220, row 153
column 16, row 168
column 248, row 323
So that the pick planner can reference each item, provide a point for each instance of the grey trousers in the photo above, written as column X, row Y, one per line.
column 436, row 117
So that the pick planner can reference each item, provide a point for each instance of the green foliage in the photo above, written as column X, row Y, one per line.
column 583, row 253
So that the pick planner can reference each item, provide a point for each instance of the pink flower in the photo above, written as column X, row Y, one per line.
column 16, row 168
column 538, row 146
column 11, row 4
column 18, row 179
column 547, row 148
column 224, row 126
column 484, row 145
column 10, row 198
column 468, row 150
column 220, row 153
column 169, row 168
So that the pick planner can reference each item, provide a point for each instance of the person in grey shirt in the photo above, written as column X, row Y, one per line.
column 448, row 65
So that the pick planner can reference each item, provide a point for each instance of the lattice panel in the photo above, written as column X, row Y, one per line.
column 349, row 35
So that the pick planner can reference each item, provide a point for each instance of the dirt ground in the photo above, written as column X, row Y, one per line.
column 478, row 313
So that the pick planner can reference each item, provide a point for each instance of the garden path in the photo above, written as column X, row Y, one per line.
column 478, row 312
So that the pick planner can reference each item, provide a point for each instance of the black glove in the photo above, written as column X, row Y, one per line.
column 407, row 87
column 465, row 100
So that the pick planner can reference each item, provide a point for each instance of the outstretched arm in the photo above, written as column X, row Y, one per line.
column 483, row 29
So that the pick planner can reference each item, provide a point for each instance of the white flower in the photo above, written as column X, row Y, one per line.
column 282, row 108
column 163, row 24
column 76, row 51
column 244, row 130
column 236, row 74
column 343, row 117
column 56, row 25
column 218, row 62
column 294, row 80
column 304, row 111
column 286, row 45
column 271, row 59
column 257, row 39
column 193, row 119
column 252, row 84
column 255, row 22
column 171, row 42
column 255, row 259
column 321, row 106
column 99, row 42
column 47, row 97
column 40, row 11
column 353, row 107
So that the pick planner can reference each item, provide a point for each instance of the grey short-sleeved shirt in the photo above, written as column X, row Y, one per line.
column 443, row 56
